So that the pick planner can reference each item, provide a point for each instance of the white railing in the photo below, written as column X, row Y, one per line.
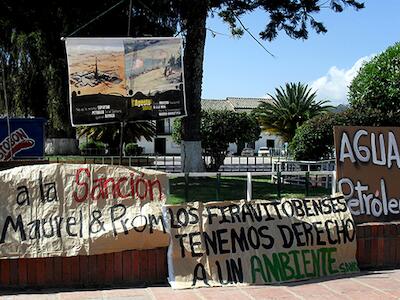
column 274, row 174
column 236, row 164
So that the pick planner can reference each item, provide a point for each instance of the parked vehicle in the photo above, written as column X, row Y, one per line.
column 247, row 152
column 264, row 151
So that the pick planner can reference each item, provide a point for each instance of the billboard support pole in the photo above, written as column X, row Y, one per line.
column 6, row 106
column 129, row 18
column 121, row 142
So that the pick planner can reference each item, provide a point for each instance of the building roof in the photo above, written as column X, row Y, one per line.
column 233, row 103
column 215, row 104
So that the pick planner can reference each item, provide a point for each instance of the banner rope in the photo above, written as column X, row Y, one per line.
column 95, row 18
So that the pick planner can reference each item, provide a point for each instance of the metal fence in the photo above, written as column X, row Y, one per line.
column 108, row 151
column 238, row 178
column 172, row 164
column 250, row 185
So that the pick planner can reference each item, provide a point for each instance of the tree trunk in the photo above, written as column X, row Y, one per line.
column 194, row 17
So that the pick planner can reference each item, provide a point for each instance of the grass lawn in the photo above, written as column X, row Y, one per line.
column 234, row 188
column 205, row 188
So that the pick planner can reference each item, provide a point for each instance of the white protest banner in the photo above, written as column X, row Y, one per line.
column 68, row 210
column 259, row 242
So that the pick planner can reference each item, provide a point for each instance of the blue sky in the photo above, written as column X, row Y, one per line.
column 241, row 68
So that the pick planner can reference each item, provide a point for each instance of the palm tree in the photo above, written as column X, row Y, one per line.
column 290, row 108
column 110, row 134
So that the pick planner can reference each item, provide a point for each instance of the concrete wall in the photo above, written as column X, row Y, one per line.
column 172, row 148
column 262, row 142
column 232, row 148
column 61, row 146
column 148, row 147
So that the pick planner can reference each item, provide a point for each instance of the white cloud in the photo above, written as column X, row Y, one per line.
column 334, row 85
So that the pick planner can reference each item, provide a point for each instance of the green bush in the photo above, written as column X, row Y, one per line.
column 314, row 139
column 219, row 128
column 377, row 85
column 92, row 148
column 132, row 149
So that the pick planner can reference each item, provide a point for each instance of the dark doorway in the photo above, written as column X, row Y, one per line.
column 271, row 144
column 159, row 146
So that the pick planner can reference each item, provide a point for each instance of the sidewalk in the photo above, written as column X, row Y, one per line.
column 367, row 286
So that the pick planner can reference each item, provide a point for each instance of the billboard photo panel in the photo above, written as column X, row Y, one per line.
column 125, row 79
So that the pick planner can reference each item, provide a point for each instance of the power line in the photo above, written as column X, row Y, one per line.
column 215, row 33
column 148, row 8
column 97, row 17
column 254, row 38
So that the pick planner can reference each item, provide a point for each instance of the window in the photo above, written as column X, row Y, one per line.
column 160, row 127
column 251, row 145
column 271, row 143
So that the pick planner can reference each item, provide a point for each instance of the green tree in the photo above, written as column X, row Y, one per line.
column 314, row 139
column 376, row 88
column 218, row 129
column 53, row 19
column 294, row 17
column 291, row 106
column 33, row 55
column 110, row 134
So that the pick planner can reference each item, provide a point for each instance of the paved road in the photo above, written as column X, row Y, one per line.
column 380, row 285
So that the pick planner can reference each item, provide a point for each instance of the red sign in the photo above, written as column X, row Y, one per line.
column 16, row 142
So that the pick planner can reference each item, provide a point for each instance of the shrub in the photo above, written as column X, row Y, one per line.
column 314, row 139
column 377, row 85
column 92, row 148
column 132, row 149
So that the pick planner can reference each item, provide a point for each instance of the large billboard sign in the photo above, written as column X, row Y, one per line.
column 125, row 79
column 368, row 170
column 24, row 138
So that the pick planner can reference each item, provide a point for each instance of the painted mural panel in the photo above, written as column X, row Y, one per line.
column 131, row 79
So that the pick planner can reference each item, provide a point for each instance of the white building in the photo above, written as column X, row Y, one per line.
column 163, row 144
